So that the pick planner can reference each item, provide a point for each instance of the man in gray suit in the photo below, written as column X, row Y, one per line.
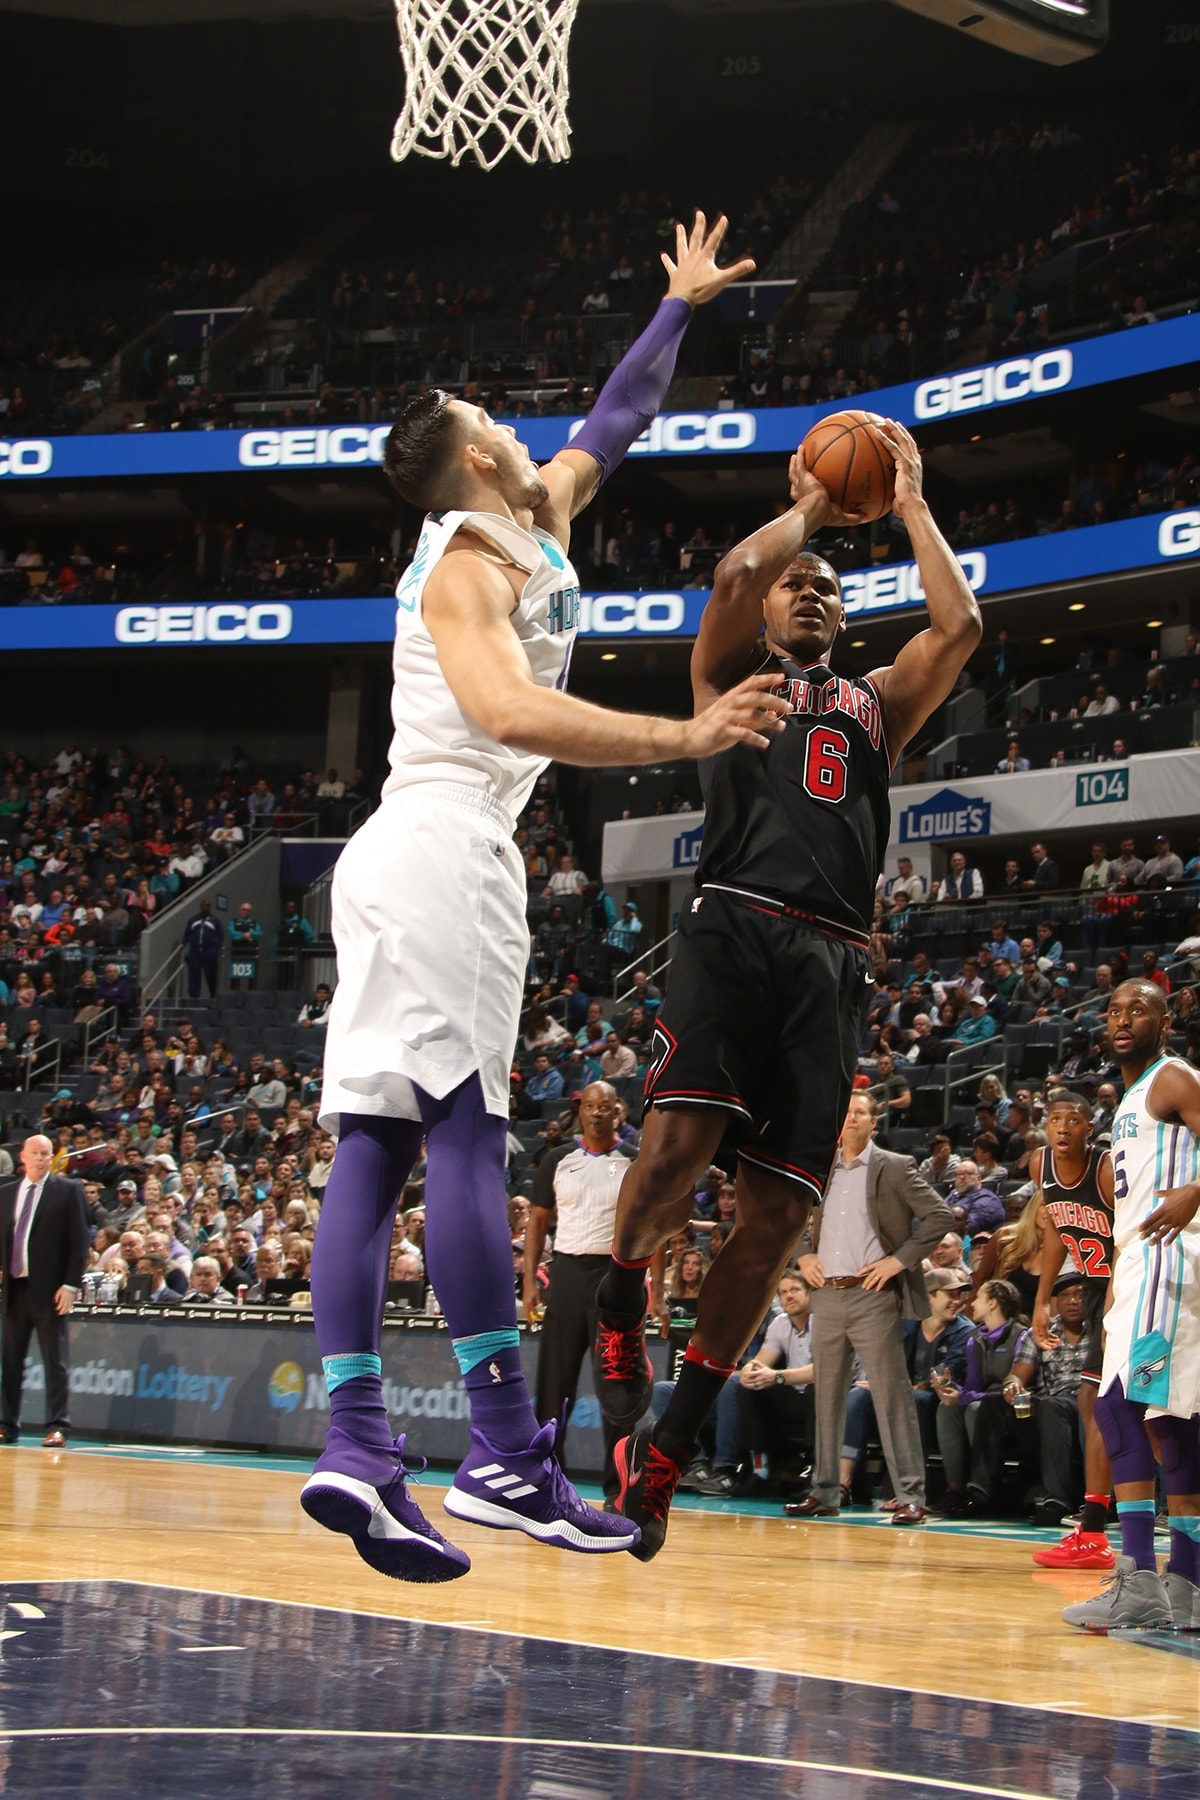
column 861, row 1258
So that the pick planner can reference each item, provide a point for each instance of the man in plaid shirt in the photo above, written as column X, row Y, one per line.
column 1052, row 1377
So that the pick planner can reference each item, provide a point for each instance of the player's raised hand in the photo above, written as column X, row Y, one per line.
column 751, row 713
column 693, row 274
column 803, row 486
column 908, row 464
column 1179, row 1207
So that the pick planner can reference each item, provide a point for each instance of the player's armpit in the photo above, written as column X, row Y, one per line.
column 573, row 478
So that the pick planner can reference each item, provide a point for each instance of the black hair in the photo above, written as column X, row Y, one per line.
column 418, row 449
column 813, row 556
column 1068, row 1097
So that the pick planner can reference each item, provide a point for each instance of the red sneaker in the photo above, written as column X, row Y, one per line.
column 1078, row 1550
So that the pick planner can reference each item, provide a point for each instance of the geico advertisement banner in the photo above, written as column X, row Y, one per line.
column 259, row 1385
column 1158, row 785
column 960, row 393
column 1155, row 540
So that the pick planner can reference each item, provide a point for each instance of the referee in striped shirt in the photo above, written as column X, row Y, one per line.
column 575, row 1196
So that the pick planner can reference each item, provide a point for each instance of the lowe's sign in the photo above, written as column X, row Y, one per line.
column 945, row 814
column 1066, row 368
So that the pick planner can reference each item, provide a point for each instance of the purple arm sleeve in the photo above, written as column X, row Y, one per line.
column 636, row 388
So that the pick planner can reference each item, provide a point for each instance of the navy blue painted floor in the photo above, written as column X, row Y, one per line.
column 115, row 1689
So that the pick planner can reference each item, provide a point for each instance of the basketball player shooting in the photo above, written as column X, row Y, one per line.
column 432, row 940
column 769, row 987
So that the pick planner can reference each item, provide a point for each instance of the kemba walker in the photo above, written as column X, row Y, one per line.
column 769, row 987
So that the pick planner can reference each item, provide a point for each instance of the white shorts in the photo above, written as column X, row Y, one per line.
column 432, row 953
column 1157, row 1287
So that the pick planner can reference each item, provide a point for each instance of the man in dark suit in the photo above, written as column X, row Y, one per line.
column 43, row 1248
column 862, row 1257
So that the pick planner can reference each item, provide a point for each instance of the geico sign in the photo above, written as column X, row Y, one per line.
column 899, row 584
column 31, row 456
column 337, row 446
column 1016, row 380
column 677, row 434
column 1179, row 534
column 646, row 615
column 266, row 623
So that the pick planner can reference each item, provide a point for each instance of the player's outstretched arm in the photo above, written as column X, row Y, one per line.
column 927, row 668
column 467, row 607
column 728, row 640
column 638, row 385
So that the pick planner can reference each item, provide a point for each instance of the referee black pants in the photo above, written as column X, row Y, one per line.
column 20, row 1323
column 568, row 1335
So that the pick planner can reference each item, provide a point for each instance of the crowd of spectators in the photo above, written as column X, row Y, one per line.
column 96, row 843
column 933, row 268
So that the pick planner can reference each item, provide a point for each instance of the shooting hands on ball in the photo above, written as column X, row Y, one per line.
column 813, row 495
column 908, row 465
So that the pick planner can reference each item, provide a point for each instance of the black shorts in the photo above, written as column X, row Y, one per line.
column 1094, row 1294
column 763, row 1019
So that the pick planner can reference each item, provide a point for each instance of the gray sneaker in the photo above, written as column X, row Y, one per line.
column 1132, row 1599
column 1184, row 1597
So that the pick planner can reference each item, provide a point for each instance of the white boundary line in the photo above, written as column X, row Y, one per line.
column 755, row 1666
column 480, row 1738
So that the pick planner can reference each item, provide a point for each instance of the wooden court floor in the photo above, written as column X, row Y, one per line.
column 938, row 1613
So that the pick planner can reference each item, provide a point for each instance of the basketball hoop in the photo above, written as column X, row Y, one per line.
column 484, row 77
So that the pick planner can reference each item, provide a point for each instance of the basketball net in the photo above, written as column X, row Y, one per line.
column 483, row 77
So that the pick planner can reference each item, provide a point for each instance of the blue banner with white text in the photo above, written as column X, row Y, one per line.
column 1158, row 540
column 1065, row 368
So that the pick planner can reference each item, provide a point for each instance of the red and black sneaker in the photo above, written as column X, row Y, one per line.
column 626, row 1372
column 648, row 1478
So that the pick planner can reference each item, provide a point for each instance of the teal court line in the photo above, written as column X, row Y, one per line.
column 281, row 1463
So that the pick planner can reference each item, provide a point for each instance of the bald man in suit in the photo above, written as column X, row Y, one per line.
column 43, row 1248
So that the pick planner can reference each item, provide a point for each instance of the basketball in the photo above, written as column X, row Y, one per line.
column 853, row 461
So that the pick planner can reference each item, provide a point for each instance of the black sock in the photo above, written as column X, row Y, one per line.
column 1093, row 1515
column 694, row 1397
column 623, row 1289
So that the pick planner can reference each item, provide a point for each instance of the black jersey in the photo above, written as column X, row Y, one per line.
column 1083, row 1217
column 807, row 821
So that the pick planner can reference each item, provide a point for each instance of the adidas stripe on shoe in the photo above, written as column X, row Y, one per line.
column 527, row 1491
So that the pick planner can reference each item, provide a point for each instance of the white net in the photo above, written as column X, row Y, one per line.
column 483, row 77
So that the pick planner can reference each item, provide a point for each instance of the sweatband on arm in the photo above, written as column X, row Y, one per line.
column 636, row 389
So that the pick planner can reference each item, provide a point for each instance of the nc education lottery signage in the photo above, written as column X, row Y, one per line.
column 1151, row 542
column 961, row 393
column 242, row 1381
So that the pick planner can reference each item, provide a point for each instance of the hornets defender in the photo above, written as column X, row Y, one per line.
column 1150, row 1382
column 432, row 942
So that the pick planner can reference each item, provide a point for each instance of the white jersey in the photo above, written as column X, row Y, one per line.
column 1152, row 1328
column 433, row 739
column 1147, row 1155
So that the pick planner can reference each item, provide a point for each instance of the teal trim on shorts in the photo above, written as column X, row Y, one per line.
column 471, row 1351
column 337, row 1369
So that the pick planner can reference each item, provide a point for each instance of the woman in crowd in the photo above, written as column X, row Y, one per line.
column 975, row 1407
column 221, row 1064
column 1014, row 1255
column 684, row 1282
